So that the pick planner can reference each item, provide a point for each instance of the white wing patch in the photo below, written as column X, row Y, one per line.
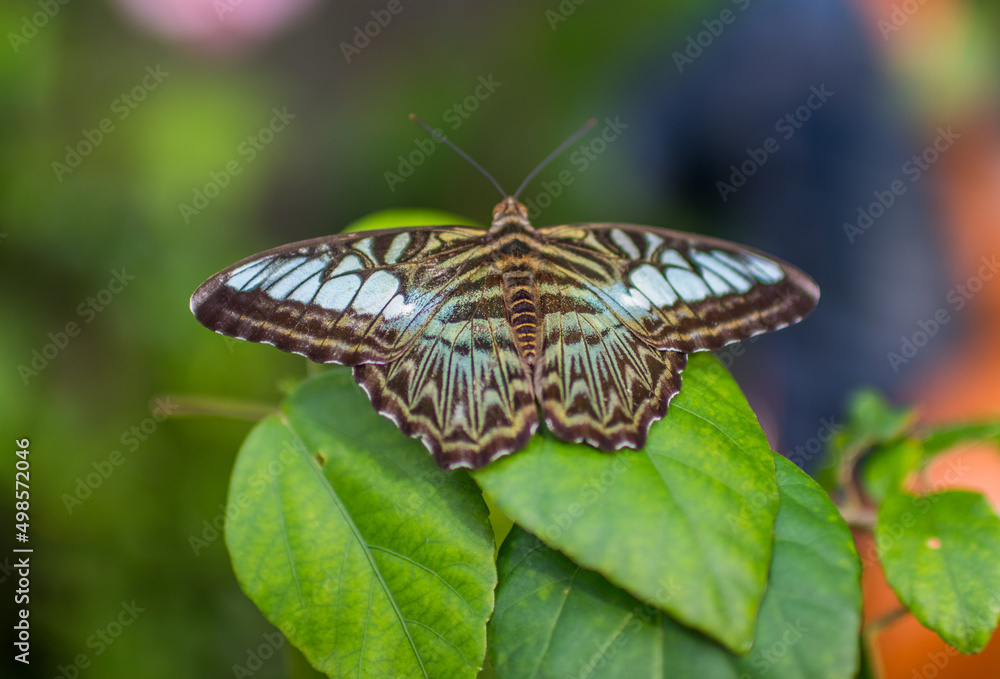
column 242, row 278
column 296, row 278
column 722, row 268
column 688, row 285
column 673, row 258
column 338, row 292
column 397, row 247
column 305, row 292
column 398, row 308
column 717, row 285
column 348, row 264
column 622, row 240
column 652, row 242
column 764, row 270
column 376, row 293
column 650, row 283
column 246, row 273
column 629, row 298
column 364, row 246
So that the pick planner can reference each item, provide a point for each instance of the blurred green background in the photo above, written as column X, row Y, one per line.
column 161, row 101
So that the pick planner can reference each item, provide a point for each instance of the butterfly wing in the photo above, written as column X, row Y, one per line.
column 418, row 312
column 462, row 386
column 350, row 299
column 680, row 291
column 596, row 380
column 621, row 308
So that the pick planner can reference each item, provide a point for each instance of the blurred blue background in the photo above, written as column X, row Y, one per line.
column 145, row 144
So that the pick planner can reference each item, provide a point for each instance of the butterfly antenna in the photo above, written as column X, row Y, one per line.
column 437, row 135
column 562, row 147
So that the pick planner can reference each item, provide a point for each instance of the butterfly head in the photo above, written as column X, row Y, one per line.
column 510, row 209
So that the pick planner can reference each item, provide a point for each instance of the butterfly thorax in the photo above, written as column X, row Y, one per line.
column 514, row 243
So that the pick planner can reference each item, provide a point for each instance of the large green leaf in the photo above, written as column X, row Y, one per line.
column 371, row 560
column 686, row 524
column 941, row 555
column 556, row 619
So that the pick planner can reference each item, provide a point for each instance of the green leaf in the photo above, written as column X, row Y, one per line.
column 871, row 419
column 685, row 524
column 942, row 439
column 371, row 560
column 396, row 217
column 887, row 467
column 556, row 619
column 941, row 555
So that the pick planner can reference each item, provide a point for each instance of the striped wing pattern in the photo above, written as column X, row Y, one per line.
column 461, row 387
column 679, row 291
column 347, row 299
column 595, row 328
column 597, row 381
column 622, row 306
column 417, row 312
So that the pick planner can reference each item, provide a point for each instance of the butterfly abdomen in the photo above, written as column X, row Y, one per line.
column 520, row 299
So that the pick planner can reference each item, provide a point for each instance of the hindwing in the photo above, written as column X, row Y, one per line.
column 596, row 380
column 461, row 386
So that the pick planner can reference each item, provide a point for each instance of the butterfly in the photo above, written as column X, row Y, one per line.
column 469, row 339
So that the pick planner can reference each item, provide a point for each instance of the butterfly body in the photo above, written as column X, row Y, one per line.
column 515, row 249
column 469, row 339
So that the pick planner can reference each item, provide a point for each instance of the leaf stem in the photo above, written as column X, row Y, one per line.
column 217, row 407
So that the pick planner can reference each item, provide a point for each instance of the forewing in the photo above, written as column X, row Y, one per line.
column 679, row 291
column 596, row 380
column 461, row 386
column 351, row 298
